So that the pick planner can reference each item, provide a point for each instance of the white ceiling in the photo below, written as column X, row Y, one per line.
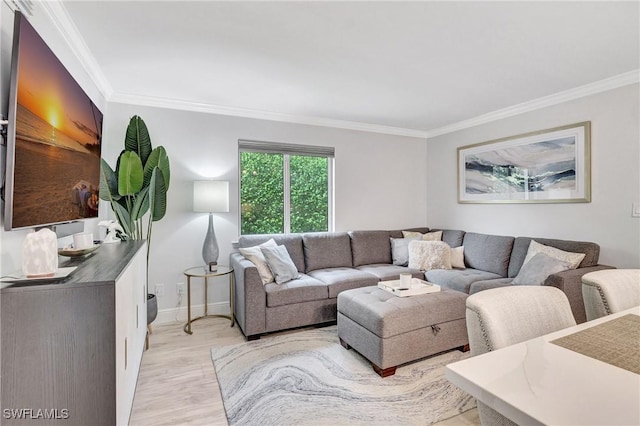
column 413, row 65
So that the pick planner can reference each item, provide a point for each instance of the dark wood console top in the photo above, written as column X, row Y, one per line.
column 99, row 267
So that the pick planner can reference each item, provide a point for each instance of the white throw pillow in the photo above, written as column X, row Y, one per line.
column 429, row 236
column 254, row 254
column 457, row 257
column 573, row 259
column 428, row 255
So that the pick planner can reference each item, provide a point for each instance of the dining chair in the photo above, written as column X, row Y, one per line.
column 508, row 315
column 609, row 291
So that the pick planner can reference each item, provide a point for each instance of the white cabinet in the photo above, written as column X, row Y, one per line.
column 131, row 329
column 72, row 349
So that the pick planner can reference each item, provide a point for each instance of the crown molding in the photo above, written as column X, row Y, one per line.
column 58, row 15
column 262, row 115
column 631, row 77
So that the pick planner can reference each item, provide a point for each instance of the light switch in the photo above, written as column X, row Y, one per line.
column 635, row 212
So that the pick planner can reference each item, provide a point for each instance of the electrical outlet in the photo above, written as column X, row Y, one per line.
column 159, row 290
column 180, row 289
column 635, row 210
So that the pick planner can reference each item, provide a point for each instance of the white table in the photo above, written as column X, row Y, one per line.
column 537, row 382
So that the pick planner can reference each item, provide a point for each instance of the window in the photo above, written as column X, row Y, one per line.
column 285, row 188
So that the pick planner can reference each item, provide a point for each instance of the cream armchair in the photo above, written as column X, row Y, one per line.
column 609, row 291
column 508, row 315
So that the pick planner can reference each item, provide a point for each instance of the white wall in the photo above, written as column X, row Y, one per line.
column 380, row 182
column 11, row 242
column 615, row 179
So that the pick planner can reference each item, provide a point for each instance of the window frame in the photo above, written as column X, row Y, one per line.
column 287, row 150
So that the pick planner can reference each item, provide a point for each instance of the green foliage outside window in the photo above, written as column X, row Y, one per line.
column 309, row 194
column 262, row 193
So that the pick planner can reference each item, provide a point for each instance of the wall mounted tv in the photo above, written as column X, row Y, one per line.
column 53, row 139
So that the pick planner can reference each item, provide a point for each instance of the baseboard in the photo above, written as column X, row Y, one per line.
column 168, row 316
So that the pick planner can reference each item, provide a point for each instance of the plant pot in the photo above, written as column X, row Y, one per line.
column 152, row 308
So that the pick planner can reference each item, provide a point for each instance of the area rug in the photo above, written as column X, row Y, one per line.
column 308, row 378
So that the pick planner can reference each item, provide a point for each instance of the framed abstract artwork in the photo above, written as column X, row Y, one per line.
column 548, row 166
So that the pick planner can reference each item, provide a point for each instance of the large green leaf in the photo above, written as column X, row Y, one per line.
column 108, row 183
column 160, row 159
column 141, row 206
column 124, row 218
column 157, row 195
column 137, row 138
column 130, row 174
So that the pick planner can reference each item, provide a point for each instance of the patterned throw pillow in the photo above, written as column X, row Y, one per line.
column 428, row 255
column 254, row 254
column 429, row 236
column 535, row 247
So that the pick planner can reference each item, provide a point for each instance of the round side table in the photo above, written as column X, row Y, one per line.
column 203, row 272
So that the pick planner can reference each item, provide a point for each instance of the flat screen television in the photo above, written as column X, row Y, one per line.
column 54, row 139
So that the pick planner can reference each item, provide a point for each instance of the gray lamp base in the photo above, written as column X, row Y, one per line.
column 210, row 251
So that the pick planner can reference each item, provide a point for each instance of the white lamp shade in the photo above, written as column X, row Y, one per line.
column 211, row 196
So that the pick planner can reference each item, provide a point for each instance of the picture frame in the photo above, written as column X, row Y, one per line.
column 546, row 166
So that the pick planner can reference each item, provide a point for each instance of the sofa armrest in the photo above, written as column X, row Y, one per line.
column 250, row 299
column 570, row 282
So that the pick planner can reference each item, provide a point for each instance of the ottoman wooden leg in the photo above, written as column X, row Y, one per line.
column 464, row 348
column 386, row 372
column 344, row 344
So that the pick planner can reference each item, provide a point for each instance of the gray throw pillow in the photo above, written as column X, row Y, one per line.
column 536, row 270
column 280, row 263
column 400, row 250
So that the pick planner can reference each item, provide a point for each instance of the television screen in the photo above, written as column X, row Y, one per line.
column 54, row 139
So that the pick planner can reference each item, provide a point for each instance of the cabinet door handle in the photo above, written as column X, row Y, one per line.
column 125, row 353
column 137, row 317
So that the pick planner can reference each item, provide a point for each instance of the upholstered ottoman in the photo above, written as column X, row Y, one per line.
column 389, row 330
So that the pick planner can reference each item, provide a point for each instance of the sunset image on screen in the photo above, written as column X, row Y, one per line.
column 58, row 138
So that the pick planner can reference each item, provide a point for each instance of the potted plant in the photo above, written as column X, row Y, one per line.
column 138, row 186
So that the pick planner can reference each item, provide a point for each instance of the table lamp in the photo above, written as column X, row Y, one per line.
column 210, row 196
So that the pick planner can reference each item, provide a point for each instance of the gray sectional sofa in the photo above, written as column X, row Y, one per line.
column 331, row 262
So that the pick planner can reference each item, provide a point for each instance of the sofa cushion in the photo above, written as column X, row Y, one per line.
column 327, row 250
column 456, row 279
column 369, row 247
column 293, row 243
column 521, row 246
column 303, row 289
column 340, row 279
column 386, row 272
column 489, row 284
column 453, row 237
column 489, row 253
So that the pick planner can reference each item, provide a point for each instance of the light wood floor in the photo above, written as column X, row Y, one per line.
column 177, row 383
